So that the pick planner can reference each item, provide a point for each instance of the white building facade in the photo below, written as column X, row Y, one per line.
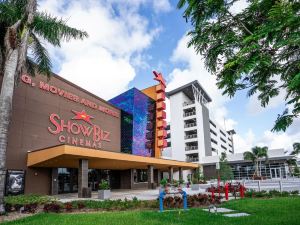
column 192, row 134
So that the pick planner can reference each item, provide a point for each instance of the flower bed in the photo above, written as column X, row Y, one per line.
column 34, row 204
column 232, row 188
column 197, row 200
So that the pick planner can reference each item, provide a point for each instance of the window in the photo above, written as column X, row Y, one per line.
column 211, row 131
column 223, row 140
column 168, row 135
column 212, row 123
column 222, row 146
column 140, row 176
column 214, row 141
column 222, row 133
column 168, row 144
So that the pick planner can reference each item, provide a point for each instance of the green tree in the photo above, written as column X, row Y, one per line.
column 22, row 27
column 256, row 49
column 225, row 169
column 256, row 155
column 292, row 163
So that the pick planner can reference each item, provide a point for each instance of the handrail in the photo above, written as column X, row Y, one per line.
column 190, row 136
column 189, row 114
column 190, row 125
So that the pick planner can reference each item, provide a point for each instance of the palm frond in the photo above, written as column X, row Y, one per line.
column 40, row 56
column 54, row 29
column 296, row 149
column 30, row 66
column 249, row 156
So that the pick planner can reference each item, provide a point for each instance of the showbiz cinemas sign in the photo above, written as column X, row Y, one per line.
column 72, row 132
column 79, row 128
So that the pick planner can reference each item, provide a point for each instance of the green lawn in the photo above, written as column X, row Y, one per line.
column 277, row 211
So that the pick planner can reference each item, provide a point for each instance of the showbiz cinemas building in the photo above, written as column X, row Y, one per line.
column 64, row 139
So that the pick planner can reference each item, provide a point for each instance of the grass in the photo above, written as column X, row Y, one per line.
column 275, row 211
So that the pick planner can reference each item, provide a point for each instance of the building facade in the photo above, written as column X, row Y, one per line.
column 273, row 168
column 64, row 139
column 192, row 134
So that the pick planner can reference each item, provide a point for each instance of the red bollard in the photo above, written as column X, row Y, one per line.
column 242, row 191
column 213, row 193
column 226, row 191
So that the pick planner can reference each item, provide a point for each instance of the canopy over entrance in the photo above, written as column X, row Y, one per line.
column 69, row 156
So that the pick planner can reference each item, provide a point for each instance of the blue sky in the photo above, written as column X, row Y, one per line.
column 129, row 39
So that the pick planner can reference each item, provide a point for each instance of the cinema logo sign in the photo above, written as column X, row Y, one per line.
column 74, row 133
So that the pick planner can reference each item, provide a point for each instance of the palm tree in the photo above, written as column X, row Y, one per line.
column 22, row 27
column 292, row 163
column 255, row 155
column 296, row 149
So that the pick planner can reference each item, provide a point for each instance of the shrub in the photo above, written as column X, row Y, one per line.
column 68, row 206
column 80, row 205
column 28, row 199
column 30, row 208
column 104, row 185
column 52, row 207
column 8, row 207
column 274, row 193
column 164, row 182
column 285, row 194
column 295, row 192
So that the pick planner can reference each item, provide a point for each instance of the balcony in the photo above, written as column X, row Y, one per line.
column 190, row 148
column 190, row 125
column 189, row 114
column 188, row 103
column 190, row 136
column 192, row 159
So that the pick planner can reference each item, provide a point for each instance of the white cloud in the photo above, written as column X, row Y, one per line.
column 105, row 62
column 245, row 142
column 195, row 70
column 254, row 106
column 238, row 6
column 161, row 6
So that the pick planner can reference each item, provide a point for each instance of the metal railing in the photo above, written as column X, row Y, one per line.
column 190, row 136
column 189, row 148
column 188, row 103
column 192, row 159
column 190, row 125
column 189, row 114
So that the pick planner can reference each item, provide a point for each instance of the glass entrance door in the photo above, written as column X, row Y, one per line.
column 67, row 180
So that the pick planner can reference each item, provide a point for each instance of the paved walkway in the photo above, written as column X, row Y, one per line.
column 227, row 212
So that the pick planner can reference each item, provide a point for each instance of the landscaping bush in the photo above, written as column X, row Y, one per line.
column 295, row 192
column 115, row 204
column 269, row 194
column 28, row 199
column 30, row 208
column 68, row 206
column 52, row 207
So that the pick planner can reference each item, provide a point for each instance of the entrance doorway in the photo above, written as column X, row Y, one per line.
column 68, row 179
column 275, row 173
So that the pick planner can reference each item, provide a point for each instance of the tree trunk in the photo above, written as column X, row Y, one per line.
column 14, row 64
column 5, row 114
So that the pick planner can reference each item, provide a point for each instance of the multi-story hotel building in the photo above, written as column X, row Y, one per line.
column 191, row 134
